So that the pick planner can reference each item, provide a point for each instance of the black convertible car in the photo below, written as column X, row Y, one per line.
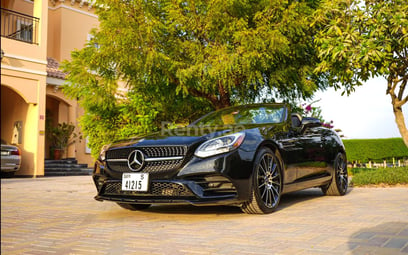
column 246, row 156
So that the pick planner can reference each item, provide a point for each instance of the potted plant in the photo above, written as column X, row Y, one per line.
column 59, row 137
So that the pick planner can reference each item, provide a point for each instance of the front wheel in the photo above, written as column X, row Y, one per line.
column 339, row 183
column 266, row 184
column 134, row 207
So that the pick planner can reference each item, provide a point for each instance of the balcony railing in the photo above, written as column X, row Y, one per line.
column 19, row 26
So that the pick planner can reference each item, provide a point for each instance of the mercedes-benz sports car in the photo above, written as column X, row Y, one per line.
column 246, row 156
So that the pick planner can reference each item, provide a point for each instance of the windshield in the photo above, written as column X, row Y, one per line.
column 252, row 114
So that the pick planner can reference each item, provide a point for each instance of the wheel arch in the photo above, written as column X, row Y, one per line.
column 256, row 203
column 275, row 149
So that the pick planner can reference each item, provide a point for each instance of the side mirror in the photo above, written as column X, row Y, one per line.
column 296, row 120
column 308, row 122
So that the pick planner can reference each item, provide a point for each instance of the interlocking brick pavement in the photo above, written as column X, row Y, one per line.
column 58, row 215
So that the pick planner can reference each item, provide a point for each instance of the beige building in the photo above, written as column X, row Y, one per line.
column 35, row 37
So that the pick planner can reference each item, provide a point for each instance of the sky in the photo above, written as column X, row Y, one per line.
column 366, row 113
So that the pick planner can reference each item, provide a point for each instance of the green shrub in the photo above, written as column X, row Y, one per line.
column 390, row 176
column 364, row 150
column 354, row 171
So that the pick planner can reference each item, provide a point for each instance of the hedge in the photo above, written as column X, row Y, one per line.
column 364, row 150
column 390, row 176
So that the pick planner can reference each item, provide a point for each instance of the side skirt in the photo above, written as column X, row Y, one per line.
column 306, row 184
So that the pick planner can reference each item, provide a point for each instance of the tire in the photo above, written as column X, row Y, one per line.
column 267, row 184
column 134, row 207
column 7, row 174
column 339, row 183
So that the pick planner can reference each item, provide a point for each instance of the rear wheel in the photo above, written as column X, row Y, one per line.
column 7, row 174
column 134, row 207
column 266, row 184
column 339, row 183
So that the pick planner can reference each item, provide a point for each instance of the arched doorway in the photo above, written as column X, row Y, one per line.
column 13, row 113
column 58, row 111
column 14, row 122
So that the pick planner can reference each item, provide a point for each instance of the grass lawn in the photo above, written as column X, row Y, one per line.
column 377, row 176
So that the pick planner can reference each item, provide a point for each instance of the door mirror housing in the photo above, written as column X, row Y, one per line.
column 309, row 122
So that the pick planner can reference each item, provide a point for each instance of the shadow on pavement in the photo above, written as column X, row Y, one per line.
column 293, row 198
column 287, row 200
column 195, row 210
column 386, row 238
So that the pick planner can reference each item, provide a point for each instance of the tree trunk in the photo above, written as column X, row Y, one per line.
column 224, row 97
column 397, row 101
column 400, row 120
column 218, row 101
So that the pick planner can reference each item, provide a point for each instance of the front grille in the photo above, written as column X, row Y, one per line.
column 161, row 152
column 150, row 152
column 117, row 159
column 161, row 189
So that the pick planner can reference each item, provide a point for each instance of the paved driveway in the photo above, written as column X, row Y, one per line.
column 57, row 215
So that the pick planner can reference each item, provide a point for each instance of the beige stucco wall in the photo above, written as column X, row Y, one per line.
column 68, row 29
column 23, row 78
column 28, row 107
column 69, row 26
column 54, row 33
column 63, row 27
column 25, row 7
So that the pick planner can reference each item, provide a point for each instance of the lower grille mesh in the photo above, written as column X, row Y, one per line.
column 150, row 167
column 165, row 189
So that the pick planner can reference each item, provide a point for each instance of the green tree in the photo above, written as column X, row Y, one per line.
column 181, row 58
column 359, row 40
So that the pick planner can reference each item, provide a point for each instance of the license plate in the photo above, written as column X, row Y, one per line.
column 5, row 153
column 135, row 181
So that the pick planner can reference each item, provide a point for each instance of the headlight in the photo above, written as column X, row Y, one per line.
column 102, row 154
column 220, row 145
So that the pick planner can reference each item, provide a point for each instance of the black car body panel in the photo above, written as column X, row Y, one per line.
column 177, row 175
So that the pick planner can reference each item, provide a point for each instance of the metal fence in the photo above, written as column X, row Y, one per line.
column 384, row 164
column 19, row 26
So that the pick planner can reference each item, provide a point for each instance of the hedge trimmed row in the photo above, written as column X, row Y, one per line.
column 364, row 150
column 390, row 176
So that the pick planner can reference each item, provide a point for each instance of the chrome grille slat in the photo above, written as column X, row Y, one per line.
column 157, row 159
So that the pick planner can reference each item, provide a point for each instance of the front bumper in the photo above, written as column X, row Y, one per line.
column 163, row 192
column 222, row 179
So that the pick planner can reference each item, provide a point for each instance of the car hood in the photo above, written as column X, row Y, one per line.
column 180, row 136
column 190, row 136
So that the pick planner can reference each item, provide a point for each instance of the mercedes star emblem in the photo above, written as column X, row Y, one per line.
column 136, row 160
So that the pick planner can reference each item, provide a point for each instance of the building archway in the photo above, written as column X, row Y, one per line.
column 58, row 111
column 14, row 122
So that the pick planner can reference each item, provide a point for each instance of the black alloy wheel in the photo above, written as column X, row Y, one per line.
column 339, row 183
column 267, row 184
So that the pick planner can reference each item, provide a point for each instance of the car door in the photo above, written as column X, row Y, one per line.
column 303, row 151
column 313, row 161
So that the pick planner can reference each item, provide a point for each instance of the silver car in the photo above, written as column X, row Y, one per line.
column 10, row 158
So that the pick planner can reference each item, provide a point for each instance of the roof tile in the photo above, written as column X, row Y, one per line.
column 53, row 69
